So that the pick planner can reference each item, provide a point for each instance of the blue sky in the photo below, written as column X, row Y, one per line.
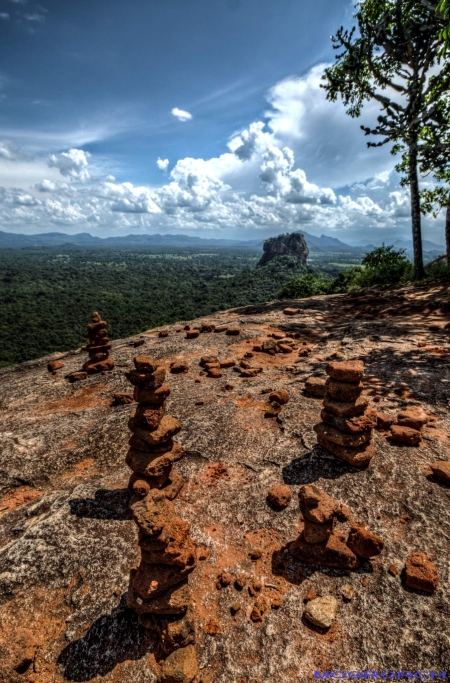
column 225, row 93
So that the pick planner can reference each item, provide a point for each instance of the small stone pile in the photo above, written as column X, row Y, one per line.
column 320, row 543
column 346, row 429
column 277, row 343
column 409, row 425
column 98, row 347
column 277, row 399
column 159, row 590
column 214, row 367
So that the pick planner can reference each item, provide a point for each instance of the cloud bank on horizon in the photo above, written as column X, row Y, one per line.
column 304, row 164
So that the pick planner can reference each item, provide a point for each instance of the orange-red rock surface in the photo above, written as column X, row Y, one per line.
column 68, row 540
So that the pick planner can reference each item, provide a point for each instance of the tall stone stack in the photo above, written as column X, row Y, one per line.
column 99, row 347
column 159, row 591
column 346, row 429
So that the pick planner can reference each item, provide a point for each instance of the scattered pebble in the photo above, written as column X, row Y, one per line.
column 348, row 591
column 321, row 611
column 279, row 496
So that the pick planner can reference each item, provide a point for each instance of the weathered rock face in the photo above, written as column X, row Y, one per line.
column 290, row 244
column 68, row 540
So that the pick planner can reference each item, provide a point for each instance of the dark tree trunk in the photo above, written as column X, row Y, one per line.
column 447, row 230
column 419, row 271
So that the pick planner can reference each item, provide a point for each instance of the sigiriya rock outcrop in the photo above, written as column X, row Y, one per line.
column 289, row 244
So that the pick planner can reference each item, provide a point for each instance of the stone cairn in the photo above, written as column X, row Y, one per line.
column 346, row 429
column 321, row 543
column 98, row 348
column 159, row 590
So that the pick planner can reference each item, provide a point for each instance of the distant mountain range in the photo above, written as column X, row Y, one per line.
column 10, row 240
column 401, row 243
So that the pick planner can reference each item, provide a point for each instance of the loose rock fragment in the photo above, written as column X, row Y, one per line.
column 384, row 420
column 77, row 376
column 405, row 435
column 364, row 543
column 225, row 579
column 55, row 365
column 414, row 417
column 321, row 611
column 180, row 667
column 348, row 591
column 179, row 367
column 235, row 607
column 227, row 363
column 281, row 396
column 269, row 346
column 208, row 327
column 310, row 595
column 421, row 573
column 279, row 496
column 441, row 470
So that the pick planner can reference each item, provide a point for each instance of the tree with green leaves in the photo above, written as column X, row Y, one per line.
column 444, row 9
column 434, row 162
column 391, row 59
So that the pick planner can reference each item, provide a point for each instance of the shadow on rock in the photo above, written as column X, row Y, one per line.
column 112, row 639
column 296, row 572
column 316, row 464
column 106, row 504
column 434, row 480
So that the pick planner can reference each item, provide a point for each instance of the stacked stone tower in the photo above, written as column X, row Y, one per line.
column 159, row 590
column 98, row 347
column 321, row 542
column 346, row 429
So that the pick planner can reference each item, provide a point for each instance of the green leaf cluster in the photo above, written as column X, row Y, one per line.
column 382, row 266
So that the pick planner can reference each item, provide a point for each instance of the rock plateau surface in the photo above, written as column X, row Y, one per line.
column 69, row 541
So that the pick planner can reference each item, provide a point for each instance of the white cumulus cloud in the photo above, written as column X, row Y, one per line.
column 305, row 166
column 4, row 16
column 72, row 164
column 162, row 164
column 181, row 115
column 46, row 186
